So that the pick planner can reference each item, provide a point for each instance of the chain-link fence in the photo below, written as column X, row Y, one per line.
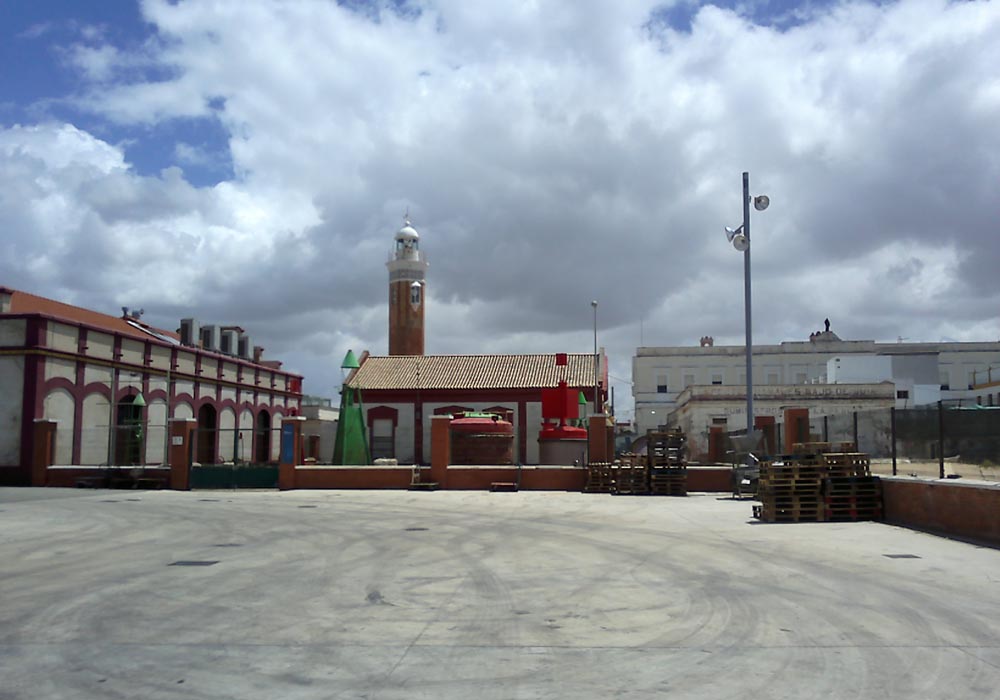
column 938, row 440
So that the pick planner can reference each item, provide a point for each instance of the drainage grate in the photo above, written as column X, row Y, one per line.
column 110, row 501
column 900, row 556
column 308, row 506
column 209, row 500
column 227, row 544
column 416, row 529
column 193, row 563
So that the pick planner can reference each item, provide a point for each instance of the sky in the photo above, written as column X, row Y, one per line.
column 248, row 163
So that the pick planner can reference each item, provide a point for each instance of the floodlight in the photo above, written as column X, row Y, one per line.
column 731, row 233
column 760, row 202
column 741, row 243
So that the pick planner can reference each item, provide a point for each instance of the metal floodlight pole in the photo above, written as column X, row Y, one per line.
column 746, row 296
column 597, row 366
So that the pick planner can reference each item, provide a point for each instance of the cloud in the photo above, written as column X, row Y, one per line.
column 548, row 154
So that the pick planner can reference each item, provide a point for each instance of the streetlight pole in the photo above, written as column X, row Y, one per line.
column 597, row 365
column 746, row 297
column 740, row 238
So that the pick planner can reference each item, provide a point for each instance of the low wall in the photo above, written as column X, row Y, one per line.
column 70, row 476
column 712, row 479
column 479, row 478
column 353, row 477
column 948, row 507
column 534, row 478
column 460, row 477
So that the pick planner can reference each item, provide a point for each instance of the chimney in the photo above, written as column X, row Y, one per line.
column 6, row 297
column 258, row 353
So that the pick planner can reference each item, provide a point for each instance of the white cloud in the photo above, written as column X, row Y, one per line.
column 550, row 153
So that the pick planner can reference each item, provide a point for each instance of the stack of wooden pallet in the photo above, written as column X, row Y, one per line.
column 850, row 492
column 600, row 478
column 667, row 463
column 817, row 487
column 631, row 475
column 790, row 489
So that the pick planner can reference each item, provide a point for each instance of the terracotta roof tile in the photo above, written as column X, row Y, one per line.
column 24, row 303
column 472, row 372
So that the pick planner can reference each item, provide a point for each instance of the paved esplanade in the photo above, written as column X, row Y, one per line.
column 476, row 596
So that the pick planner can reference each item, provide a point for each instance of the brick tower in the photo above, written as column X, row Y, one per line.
column 406, row 294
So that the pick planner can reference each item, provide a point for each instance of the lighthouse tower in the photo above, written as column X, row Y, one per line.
column 406, row 294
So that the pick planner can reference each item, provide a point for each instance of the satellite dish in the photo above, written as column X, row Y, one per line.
column 732, row 233
column 741, row 243
column 760, row 202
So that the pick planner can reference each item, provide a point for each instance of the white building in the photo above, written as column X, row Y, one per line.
column 921, row 372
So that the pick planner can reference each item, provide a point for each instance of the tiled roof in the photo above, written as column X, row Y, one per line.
column 472, row 372
column 24, row 303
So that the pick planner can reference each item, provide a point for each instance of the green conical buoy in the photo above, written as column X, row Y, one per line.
column 350, row 361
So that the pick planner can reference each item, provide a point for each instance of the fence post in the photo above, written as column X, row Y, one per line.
column 892, row 430
column 941, row 439
column 857, row 447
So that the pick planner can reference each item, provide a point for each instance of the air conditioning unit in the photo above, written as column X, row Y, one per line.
column 189, row 332
column 227, row 341
column 209, row 338
column 245, row 347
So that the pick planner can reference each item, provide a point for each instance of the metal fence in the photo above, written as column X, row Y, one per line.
column 938, row 440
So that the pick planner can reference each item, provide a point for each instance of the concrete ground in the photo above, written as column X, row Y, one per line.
column 337, row 594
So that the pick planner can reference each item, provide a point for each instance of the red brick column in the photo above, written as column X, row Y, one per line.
column 290, row 453
column 795, row 418
column 597, row 443
column 181, row 430
column 440, row 449
column 43, row 451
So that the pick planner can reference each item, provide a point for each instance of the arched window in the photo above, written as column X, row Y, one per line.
column 415, row 290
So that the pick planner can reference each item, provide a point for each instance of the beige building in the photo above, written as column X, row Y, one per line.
column 661, row 374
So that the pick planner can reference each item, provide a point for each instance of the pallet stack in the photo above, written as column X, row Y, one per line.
column 818, row 487
column 667, row 463
column 600, row 478
column 850, row 492
column 790, row 489
column 631, row 476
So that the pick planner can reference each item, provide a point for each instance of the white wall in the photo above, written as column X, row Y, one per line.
column 59, row 336
column 94, row 440
column 100, row 345
column 227, row 438
column 11, row 402
column 58, row 368
column 60, row 406
column 13, row 331
column 156, row 431
column 132, row 351
column 858, row 369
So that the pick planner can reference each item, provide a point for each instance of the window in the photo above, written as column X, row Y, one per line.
column 902, row 394
column 661, row 384
column 772, row 378
column 716, row 379
column 395, row 294
column 719, row 421
column 415, row 294
column 945, row 383
column 972, row 378
column 801, row 378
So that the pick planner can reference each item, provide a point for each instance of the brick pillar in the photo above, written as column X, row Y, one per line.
column 715, row 444
column 291, row 451
column 440, row 449
column 796, row 427
column 766, row 425
column 43, row 450
column 597, row 443
column 181, row 434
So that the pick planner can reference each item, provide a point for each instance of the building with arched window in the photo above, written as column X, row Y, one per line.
column 111, row 385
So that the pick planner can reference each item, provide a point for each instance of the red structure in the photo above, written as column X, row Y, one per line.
column 406, row 294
